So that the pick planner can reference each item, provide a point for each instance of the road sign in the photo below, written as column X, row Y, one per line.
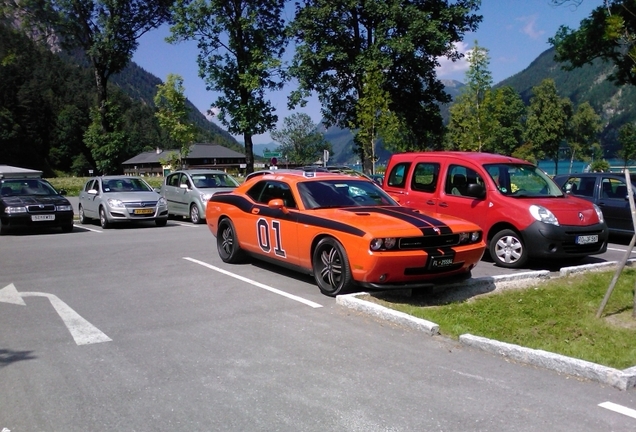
column 271, row 154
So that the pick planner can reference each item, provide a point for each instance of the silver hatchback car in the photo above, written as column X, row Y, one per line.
column 121, row 199
column 188, row 191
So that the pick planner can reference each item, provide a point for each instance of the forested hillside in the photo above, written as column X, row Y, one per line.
column 615, row 104
column 45, row 105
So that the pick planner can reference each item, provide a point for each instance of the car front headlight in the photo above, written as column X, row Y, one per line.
column 162, row 202
column 14, row 210
column 544, row 215
column 386, row 243
column 598, row 211
column 115, row 203
column 62, row 208
column 205, row 197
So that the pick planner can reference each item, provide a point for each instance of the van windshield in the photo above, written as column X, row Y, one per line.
column 522, row 181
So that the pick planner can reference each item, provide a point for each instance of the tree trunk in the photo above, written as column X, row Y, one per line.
column 249, row 153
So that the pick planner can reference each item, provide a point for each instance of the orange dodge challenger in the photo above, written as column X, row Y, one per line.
column 341, row 229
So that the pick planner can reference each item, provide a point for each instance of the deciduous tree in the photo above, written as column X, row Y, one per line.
column 336, row 40
column 548, row 120
column 240, row 43
column 300, row 142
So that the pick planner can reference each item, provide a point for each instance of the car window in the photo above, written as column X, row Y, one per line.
column 522, row 180
column 26, row 187
column 127, row 184
column 184, row 180
column 579, row 186
column 89, row 185
column 458, row 178
column 173, row 180
column 613, row 188
column 425, row 177
column 270, row 190
column 342, row 193
column 213, row 180
column 397, row 176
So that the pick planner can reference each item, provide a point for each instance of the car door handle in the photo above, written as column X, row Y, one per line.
column 430, row 202
column 443, row 204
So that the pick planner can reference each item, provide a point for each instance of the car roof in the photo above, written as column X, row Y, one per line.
column 596, row 174
column 477, row 157
column 199, row 171
column 299, row 175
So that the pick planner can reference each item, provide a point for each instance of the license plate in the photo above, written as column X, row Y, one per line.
column 36, row 218
column 144, row 211
column 586, row 239
column 438, row 262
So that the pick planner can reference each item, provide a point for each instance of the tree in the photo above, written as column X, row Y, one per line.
column 584, row 128
column 470, row 123
column 106, row 30
column 627, row 138
column 374, row 120
column 172, row 114
column 507, row 111
column 300, row 142
column 609, row 33
column 241, row 43
column 338, row 40
column 547, row 123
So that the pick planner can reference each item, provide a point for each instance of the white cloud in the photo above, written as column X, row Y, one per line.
column 529, row 26
column 453, row 69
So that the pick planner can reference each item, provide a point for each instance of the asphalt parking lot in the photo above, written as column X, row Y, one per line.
column 145, row 328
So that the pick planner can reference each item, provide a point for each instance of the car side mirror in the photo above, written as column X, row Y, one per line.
column 277, row 204
column 475, row 190
column 184, row 186
column 92, row 192
column 62, row 192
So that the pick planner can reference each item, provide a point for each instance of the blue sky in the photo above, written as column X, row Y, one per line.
column 514, row 31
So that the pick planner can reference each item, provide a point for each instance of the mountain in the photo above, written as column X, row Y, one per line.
column 615, row 104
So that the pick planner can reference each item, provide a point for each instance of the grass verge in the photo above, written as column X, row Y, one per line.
column 558, row 316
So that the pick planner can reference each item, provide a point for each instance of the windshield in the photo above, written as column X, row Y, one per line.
column 128, row 184
column 522, row 180
column 26, row 187
column 343, row 193
column 213, row 180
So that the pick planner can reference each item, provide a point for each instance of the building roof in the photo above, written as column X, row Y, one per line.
column 197, row 151
column 8, row 171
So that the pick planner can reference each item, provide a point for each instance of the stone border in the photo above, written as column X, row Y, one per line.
column 621, row 379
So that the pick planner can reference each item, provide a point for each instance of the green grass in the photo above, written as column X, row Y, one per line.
column 557, row 316
column 73, row 185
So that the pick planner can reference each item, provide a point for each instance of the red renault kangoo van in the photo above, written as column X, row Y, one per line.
column 523, row 213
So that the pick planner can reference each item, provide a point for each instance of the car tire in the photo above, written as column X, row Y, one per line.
column 331, row 267
column 195, row 216
column 161, row 222
column 508, row 250
column 227, row 243
column 82, row 216
column 103, row 219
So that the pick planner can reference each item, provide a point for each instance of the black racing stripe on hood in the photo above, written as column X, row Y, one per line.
column 425, row 223
column 246, row 206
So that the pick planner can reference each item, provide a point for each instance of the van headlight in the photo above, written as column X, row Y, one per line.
column 544, row 215
column 599, row 213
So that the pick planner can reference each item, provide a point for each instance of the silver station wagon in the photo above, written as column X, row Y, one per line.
column 188, row 191
column 121, row 199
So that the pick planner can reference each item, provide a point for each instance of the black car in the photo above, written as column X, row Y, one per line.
column 606, row 190
column 33, row 202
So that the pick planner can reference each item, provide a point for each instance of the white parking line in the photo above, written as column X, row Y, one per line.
column 88, row 229
column 620, row 250
column 257, row 284
column 187, row 225
column 619, row 409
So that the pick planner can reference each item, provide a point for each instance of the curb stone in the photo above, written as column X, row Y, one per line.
column 621, row 379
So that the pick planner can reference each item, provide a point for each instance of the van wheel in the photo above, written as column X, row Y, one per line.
column 507, row 249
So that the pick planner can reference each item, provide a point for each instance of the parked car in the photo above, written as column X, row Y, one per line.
column 31, row 202
column 523, row 213
column 187, row 191
column 112, row 199
column 344, row 230
column 608, row 191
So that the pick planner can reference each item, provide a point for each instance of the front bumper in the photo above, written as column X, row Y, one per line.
column 60, row 219
column 135, row 213
column 546, row 241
